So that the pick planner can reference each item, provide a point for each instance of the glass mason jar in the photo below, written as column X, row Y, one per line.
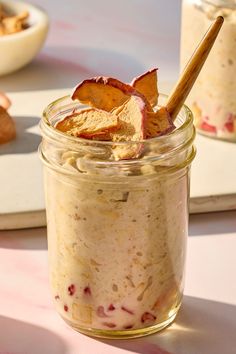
column 213, row 98
column 116, row 229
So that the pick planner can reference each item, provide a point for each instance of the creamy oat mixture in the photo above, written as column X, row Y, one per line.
column 117, row 249
column 213, row 96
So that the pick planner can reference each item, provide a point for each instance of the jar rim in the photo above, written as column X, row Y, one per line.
column 77, row 140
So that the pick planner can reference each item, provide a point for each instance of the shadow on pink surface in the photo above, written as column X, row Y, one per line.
column 17, row 337
column 202, row 326
column 26, row 141
column 63, row 67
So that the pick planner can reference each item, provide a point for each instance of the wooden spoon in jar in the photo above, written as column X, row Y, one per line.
column 192, row 69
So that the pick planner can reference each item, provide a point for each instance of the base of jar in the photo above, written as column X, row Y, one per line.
column 216, row 137
column 123, row 334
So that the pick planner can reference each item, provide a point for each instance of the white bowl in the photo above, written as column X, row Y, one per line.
column 20, row 48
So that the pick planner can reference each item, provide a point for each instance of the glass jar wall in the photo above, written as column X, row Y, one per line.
column 213, row 98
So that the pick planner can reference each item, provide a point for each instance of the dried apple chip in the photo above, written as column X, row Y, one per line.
column 89, row 123
column 7, row 127
column 158, row 123
column 132, row 117
column 146, row 84
column 2, row 13
column 104, row 93
column 14, row 24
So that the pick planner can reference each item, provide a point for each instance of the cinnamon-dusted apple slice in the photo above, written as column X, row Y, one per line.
column 147, row 85
column 7, row 127
column 158, row 123
column 132, row 118
column 104, row 93
column 89, row 123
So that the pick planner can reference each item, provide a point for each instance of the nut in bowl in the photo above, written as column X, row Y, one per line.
column 23, row 30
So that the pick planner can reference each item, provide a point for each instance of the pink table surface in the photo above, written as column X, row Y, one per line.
column 206, row 323
column 118, row 38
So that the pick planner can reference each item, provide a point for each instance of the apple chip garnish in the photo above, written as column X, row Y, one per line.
column 146, row 84
column 104, row 93
column 132, row 118
column 7, row 127
column 120, row 113
column 14, row 24
column 158, row 123
column 89, row 123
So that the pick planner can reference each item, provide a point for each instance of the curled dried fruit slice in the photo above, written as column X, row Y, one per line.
column 104, row 93
column 132, row 117
column 7, row 127
column 147, row 85
column 2, row 12
column 89, row 123
column 14, row 24
column 158, row 123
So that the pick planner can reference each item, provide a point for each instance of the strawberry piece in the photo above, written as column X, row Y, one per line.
column 101, row 312
column 128, row 326
column 147, row 317
column 127, row 310
column 109, row 324
column 87, row 290
column 111, row 307
column 65, row 308
column 229, row 125
column 71, row 289
column 208, row 127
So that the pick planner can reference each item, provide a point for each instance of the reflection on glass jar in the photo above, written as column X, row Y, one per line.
column 213, row 98
column 117, row 230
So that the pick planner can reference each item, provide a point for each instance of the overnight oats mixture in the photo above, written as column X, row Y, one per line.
column 117, row 228
column 212, row 99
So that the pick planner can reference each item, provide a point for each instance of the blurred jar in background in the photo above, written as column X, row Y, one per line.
column 213, row 98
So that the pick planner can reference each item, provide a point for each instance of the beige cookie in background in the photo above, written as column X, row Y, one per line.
column 7, row 125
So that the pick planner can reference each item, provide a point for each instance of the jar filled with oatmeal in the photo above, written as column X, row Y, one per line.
column 117, row 230
column 213, row 97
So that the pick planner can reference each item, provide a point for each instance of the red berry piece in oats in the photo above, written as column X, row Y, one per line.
column 109, row 324
column 128, row 326
column 87, row 290
column 127, row 310
column 147, row 317
column 208, row 127
column 111, row 307
column 101, row 312
column 71, row 289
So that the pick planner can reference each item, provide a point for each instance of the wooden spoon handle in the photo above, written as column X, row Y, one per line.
column 192, row 69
